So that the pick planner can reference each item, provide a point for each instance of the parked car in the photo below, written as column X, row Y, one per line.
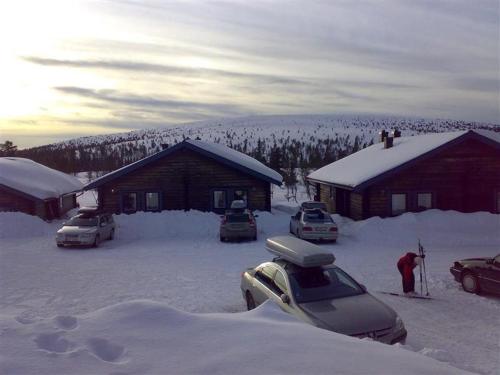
column 89, row 227
column 478, row 274
column 310, row 205
column 314, row 224
column 238, row 223
column 303, row 281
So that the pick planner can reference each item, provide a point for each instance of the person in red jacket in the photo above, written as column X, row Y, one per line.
column 406, row 264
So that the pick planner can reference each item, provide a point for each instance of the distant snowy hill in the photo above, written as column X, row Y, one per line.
column 310, row 140
column 279, row 128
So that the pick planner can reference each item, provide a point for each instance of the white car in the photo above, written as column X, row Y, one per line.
column 314, row 224
column 88, row 228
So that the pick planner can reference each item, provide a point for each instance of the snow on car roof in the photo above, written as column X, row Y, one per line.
column 372, row 161
column 299, row 252
column 36, row 180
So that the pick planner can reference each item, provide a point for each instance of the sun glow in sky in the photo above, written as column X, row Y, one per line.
column 73, row 68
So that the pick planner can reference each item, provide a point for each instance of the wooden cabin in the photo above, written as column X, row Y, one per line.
column 448, row 171
column 32, row 188
column 190, row 175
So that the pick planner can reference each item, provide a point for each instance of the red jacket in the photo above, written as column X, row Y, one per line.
column 406, row 264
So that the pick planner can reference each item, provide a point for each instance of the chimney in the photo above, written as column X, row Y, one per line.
column 388, row 141
column 164, row 146
column 383, row 135
column 396, row 133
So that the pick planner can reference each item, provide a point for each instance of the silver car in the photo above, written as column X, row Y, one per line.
column 238, row 224
column 324, row 296
column 88, row 228
column 314, row 224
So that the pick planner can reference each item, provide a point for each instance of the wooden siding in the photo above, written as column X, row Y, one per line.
column 356, row 206
column 13, row 202
column 185, row 180
column 324, row 196
column 465, row 178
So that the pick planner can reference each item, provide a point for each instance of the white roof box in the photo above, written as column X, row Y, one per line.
column 299, row 252
column 238, row 204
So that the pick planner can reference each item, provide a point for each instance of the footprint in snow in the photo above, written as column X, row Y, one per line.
column 66, row 322
column 53, row 343
column 105, row 350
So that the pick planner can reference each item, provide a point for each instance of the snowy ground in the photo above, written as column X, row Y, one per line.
column 69, row 309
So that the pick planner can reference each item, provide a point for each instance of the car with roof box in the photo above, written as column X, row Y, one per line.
column 314, row 224
column 238, row 223
column 304, row 281
column 89, row 227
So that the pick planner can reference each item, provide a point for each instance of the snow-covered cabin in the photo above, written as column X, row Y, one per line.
column 35, row 189
column 449, row 171
column 189, row 175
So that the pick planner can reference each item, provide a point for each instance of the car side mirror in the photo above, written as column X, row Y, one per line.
column 285, row 298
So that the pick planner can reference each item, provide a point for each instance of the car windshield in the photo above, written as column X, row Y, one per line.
column 79, row 221
column 317, row 284
column 317, row 216
column 237, row 218
column 312, row 205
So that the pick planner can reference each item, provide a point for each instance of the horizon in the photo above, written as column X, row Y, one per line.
column 81, row 68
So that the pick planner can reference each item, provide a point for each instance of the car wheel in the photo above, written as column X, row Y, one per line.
column 222, row 239
column 112, row 234
column 470, row 283
column 291, row 229
column 250, row 301
column 97, row 241
column 297, row 233
column 60, row 245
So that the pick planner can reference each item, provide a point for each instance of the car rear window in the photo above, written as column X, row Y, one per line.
column 317, row 217
column 235, row 218
column 313, row 205
column 82, row 221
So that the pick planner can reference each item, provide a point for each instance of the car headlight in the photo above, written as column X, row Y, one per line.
column 399, row 325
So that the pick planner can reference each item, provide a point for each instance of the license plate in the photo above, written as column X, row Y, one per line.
column 320, row 229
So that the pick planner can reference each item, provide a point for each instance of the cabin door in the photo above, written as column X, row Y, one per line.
column 343, row 199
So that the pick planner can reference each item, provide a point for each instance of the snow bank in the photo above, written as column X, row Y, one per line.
column 35, row 179
column 21, row 225
column 145, row 337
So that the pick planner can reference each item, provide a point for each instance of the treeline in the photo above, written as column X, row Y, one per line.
column 280, row 154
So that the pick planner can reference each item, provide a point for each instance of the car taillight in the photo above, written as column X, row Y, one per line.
column 252, row 222
column 333, row 229
column 307, row 229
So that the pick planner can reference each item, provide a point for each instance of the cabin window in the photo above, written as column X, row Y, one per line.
column 152, row 201
column 241, row 195
column 398, row 204
column 219, row 199
column 129, row 202
column 424, row 201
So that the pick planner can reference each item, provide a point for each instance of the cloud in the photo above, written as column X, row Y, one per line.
column 148, row 102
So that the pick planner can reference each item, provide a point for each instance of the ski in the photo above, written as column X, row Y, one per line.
column 404, row 295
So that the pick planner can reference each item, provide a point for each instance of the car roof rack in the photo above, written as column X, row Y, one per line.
column 299, row 252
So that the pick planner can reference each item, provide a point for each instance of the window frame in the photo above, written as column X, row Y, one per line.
column 214, row 191
column 146, row 201
column 122, row 206
column 391, row 205
column 417, row 207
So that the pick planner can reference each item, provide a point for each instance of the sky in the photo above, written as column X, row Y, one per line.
column 75, row 68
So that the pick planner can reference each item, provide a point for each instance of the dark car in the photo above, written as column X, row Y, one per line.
column 478, row 274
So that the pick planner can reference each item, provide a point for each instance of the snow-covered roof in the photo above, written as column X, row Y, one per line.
column 36, row 180
column 240, row 158
column 215, row 151
column 364, row 165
